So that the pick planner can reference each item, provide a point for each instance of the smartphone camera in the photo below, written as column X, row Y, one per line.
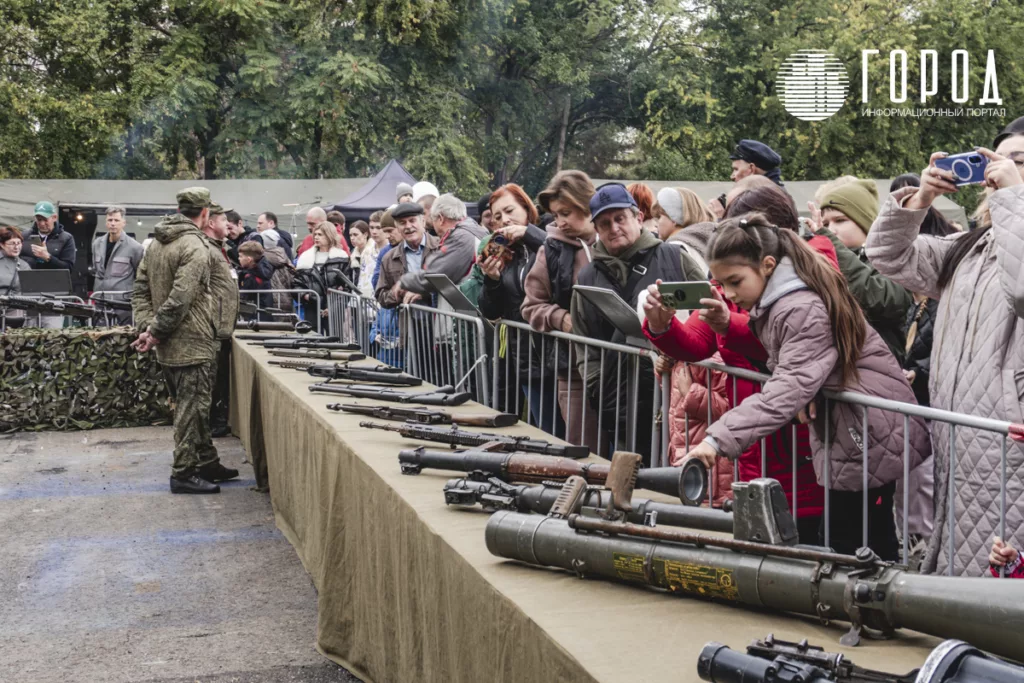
column 500, row 239
column 963, row 169
column 678, row 298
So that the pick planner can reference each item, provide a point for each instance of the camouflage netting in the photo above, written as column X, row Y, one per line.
column 78, row 379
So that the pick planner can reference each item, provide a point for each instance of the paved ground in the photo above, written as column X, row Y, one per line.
column 104, row 576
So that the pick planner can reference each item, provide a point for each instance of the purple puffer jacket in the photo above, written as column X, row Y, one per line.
column 792, row 323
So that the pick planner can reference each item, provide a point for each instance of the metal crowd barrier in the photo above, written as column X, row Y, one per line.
column 295, row 300
column 445, row 347
column 351, row 317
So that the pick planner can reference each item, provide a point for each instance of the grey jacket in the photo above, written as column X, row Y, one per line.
column 119, row 274
column 977, row 367
column 454, row 257
column 793, row 325
column 10, row 283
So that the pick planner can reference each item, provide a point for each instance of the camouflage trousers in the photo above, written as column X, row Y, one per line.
column 191, row 389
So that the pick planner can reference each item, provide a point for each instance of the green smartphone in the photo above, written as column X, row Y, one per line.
column 685, row 294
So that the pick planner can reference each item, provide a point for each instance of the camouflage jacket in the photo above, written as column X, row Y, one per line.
column 171, row 297
column 224, row 289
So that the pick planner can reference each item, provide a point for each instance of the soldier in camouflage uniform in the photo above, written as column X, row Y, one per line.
column 173, row 306
column 224, row 288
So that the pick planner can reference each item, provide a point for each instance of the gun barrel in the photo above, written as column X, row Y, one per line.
column 309, row 344
column 987, row 612
column 539, row 499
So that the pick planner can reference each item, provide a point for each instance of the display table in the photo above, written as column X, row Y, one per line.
column 407, row 591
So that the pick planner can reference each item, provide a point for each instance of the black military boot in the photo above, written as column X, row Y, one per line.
column 217, row 472
column 192, row 483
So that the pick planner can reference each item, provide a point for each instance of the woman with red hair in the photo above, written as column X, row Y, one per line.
column 505, row 259
column 644, row 198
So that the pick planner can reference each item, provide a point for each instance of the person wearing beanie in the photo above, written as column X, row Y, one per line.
column 403, row 193
column 847, row 212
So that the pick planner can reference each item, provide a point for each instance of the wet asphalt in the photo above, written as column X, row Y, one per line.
column 105, row 576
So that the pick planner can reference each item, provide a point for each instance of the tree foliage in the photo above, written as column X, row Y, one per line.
column 473, row 93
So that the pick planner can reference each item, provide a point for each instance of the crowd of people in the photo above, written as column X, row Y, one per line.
column 888, row 300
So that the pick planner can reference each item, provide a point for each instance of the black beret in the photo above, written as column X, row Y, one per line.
column 757, row 153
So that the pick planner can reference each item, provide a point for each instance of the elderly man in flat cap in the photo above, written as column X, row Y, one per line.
column 749, row 157
column 174, row 308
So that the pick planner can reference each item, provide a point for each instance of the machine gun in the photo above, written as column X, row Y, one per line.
column 382, row 374
column 491, row 493
column 103, row 302
column 50, row 306
column 260, row 338
column 458, row 437
column 425, row 416
column 771, row 660
column 439, row 396
column 528, row 468
column 874, row 596
column 307, row 344
column 317, row 354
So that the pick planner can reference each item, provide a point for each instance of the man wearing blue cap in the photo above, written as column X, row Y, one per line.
column 751, row 157
column 626, row 259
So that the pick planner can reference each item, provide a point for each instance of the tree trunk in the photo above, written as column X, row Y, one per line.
column 561, row 133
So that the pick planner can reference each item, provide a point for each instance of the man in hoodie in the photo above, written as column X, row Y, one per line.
column 224, row 288
column 458, row 237
column 238, row 232
column 173, row 307
column 115, row 258
column 626, row 259
column 255, row 275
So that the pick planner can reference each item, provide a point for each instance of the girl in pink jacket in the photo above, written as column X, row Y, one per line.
column 816, row 338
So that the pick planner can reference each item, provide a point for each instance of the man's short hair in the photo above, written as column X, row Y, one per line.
column 271, row 217
column 448, row 206
column 336, row 217
column 111, row 210
column 376, row 216
column 318, row 214
column 251, row 248
column 192, row 212
column 233, row 216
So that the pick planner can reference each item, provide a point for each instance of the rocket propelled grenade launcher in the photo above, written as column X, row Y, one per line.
column 873, row 596
column 426, row 416
column 439, row 396
column 455, row 437
column 528, row 468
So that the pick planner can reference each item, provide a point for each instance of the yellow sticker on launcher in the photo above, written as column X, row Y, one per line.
column 629, row 567
column 696, row 579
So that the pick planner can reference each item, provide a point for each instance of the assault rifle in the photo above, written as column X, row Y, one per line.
column 50, row 306
column 528, row 468
column 308, row 344
column 426, row 416
column 317, row 354
column 259, row 339
column 771, row 660
column 103, row 302
column 299, row 326
column 383, row 374
column 457, row 437
column 439, row 396
column 491, row 493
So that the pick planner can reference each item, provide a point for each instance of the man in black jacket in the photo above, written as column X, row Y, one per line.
column 238, row 232
column 57, row 250
column 47, row 246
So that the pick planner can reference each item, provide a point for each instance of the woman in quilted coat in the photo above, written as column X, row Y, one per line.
column 977, row 360
column 816, row 338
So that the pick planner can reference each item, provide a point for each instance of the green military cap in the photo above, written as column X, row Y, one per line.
column 194, row 197
column 217, row 209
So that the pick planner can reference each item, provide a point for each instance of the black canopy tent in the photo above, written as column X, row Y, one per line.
column 376, row 195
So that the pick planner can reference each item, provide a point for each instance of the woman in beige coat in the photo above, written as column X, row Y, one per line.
column 977, row 361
